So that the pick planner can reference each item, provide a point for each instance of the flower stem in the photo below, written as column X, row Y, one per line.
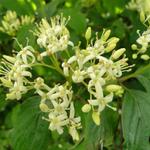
column 48, row 66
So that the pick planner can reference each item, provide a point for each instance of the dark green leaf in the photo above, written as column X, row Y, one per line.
column 20, row 6
column 51, row 7
column 104, row 133
column 24, row 36
column 77, row 21
column 135, row 118
column 30, row 131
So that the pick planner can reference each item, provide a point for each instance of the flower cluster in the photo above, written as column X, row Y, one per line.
column 53, row 36
column 11, row 23
column 143, row 45
column 57, row 102
column 91, row 66
column 14, row 72
column 97, row 66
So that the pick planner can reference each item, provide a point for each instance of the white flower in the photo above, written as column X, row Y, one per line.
column 78, row 76
column 121, row 66
column 16, row 91
column 26, row 55
column 58, row 122
column 95, row 87
column 15, row 70
column 39, row 84
column 101, row 103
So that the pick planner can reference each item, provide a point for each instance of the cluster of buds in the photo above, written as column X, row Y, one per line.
column 57, row 103
column 25, row 20
column 91, row 66
column 53, row 36
column 143, row 45
column 14, row 72
column 11, row 23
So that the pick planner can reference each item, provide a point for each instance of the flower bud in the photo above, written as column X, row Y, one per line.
column 96, row 118
column 106, row 35
column 145, row 57
column 65, row 69
column 118, row 53
column 134, row 56
column 142, row 16
column 113, row 88
column 88, row 33
column 110, row 47
column 44, row 107
column 86, row 108
column 134, row 47
column 120, row 92
column 113, row 40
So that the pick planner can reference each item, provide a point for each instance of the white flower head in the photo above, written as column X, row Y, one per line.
column 53, row 36
column 16, row 71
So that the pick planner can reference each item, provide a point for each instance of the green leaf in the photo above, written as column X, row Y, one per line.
column 24, row 36
column 20, row 6
column 115, row 7
column 30, row 131
column 135, row 117
column 118, row 28
column 104, row 133
column 77, row 21
column 52, row 7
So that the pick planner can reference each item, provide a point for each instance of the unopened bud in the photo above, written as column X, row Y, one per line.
column 120, row 92
column 106, row 35
column 96, row 118
column 109, row 48
column 88, row 33
column 118, row 53
column 113, row 88
column 134, row 56
column 86, row 108
column 65, row 69
column 145, row 57
column 142, row 16
column 134, row 47
column 113, row 40
column 44, row 107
